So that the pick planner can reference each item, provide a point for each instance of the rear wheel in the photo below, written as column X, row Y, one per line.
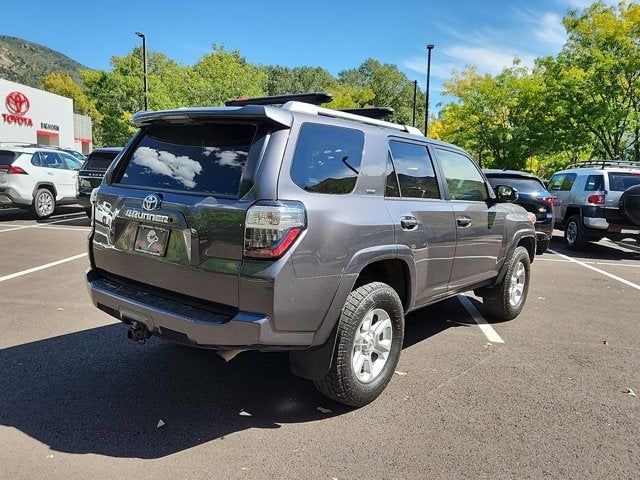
column 506, row 300
column 574, row 235
column 368, row 345
column 44, row 203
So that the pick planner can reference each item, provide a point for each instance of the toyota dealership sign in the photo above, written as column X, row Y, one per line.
column 17, row 105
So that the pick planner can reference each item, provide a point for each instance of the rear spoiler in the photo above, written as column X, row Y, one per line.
column 274, row 116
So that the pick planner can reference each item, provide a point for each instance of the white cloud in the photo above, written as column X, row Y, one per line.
column 183, row 169
column 487, row 59
column 549, row 29
column 227, row 158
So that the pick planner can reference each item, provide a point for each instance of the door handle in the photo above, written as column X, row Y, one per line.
column 409, row 223
column 464, row 222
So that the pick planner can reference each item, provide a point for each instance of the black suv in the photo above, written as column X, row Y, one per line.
column 533, row 197
column 90, row 176
column 299, row 228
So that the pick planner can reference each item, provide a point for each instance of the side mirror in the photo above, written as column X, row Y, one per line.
column 506, row 194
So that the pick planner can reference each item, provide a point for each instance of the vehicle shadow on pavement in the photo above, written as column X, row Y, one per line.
column 75, row 213
column 602, row 251
column 96, row 392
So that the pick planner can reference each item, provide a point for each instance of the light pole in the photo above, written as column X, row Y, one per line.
column 415, row 97
column 426, row 108
column 144, row 69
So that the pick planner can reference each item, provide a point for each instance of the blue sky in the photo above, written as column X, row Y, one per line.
column 333, row 34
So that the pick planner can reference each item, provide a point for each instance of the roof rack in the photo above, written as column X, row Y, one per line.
column 379, row 113
column 315, row 98
column 327, row 112
column 605, row 163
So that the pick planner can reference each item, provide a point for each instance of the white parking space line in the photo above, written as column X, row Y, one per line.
column 632, row 248
column 42, row 267
column 610, row 264
column 39, row 225
column 486, row 328
column 595, row 269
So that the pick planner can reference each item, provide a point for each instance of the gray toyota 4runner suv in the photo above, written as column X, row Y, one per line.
column 299, row 228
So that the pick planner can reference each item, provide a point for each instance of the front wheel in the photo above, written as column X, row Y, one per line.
column 368, row 346
column 506, row 300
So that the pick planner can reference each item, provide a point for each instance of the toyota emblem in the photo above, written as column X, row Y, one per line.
column 17, row 103
column 151, row 202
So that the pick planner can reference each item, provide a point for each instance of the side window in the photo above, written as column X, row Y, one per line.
column 556, row 182
column 463, row 177
column 391, row 187
column 36, row 159
column 71, row 162
column 568, row 181
column 327, row 158
column 51, row 160
column 595, row 183
column 413, row 166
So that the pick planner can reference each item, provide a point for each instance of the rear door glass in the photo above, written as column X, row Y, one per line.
column 413, row 166
column 594, row 183
column 203, row 158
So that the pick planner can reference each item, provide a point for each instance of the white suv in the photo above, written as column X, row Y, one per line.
column 37, row 178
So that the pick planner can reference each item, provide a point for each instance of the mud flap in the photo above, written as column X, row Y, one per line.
column 314, row 364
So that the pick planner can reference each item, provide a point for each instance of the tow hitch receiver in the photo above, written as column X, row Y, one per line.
column 138, row 332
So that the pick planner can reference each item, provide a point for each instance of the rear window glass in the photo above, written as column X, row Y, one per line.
column 207, row 158
column 327, row 159
column 7, row 157
column 521, row 184
column 594, row 183
column 99, row 161
column 619, row 182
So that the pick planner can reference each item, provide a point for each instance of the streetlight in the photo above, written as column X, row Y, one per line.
column 426, row 109
column 415, row 97
column 144, row 69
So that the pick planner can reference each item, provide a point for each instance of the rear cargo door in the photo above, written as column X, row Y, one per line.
column 172, row 216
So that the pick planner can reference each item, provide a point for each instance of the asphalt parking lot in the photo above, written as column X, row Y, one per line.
column 543, row 395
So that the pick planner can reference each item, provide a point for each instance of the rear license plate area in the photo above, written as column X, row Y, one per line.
column 152, row 240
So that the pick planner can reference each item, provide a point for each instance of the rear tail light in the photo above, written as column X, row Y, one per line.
column 12, row 170
column 596, row 198
column 272, row 227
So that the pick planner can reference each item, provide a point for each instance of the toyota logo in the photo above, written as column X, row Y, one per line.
column 151, row 202
column 17, row 103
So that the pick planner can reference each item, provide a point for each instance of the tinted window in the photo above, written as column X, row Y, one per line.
column 415, row 170
column 464, row 180
column 567, row 183
column 594, row 183
column 391, row 188
column 521, row 184
column 327, row 159
column 619, row 182
column 99, row 161
column 48, row 160
column 556, row 182
column 206, row 158
column 7, row 157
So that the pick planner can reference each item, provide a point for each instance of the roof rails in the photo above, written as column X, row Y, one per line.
column 605, row 164
column 316, row 98
column 379, row 113
column 327, row 112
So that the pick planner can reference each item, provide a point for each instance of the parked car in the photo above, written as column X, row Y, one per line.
column 38, row 179
column 91, row 173
column 596, row 200
column 533, row 197
column 299, row 228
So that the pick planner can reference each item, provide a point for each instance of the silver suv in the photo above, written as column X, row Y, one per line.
column 596, row 200
column 299, row 228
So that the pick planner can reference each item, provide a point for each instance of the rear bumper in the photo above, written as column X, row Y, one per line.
column 596, row 223
column 9, row 197
column 188, row 324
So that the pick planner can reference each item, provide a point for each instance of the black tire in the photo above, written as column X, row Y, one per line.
column 88, row 210
column 497, row 300
column 574, row 235
column 542, row 246
column 44, row 204
column 341, row 383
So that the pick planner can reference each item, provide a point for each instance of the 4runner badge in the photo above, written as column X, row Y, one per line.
column 151, row 202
